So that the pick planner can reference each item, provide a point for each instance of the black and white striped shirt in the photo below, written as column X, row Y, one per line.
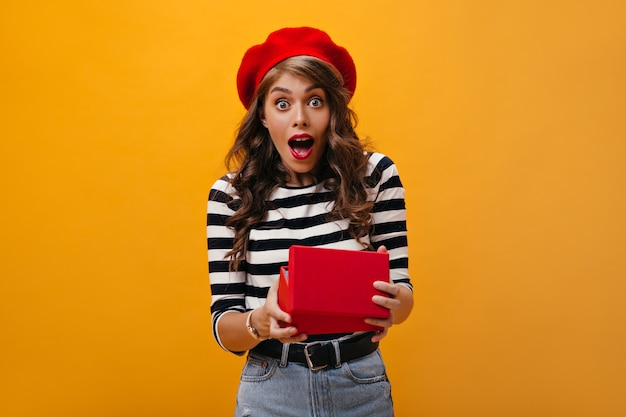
column 298, row 216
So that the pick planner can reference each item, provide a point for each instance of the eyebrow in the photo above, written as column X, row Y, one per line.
column 288, row 91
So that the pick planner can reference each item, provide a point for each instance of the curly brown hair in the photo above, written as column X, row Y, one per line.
column 257, row 167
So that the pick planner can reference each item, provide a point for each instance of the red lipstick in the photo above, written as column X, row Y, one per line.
column 301, row 145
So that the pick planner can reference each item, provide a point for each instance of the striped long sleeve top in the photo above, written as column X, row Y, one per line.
column 298, row 215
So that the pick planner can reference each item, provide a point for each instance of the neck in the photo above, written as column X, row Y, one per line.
column 301, row 179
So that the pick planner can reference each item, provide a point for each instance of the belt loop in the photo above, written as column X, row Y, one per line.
column 284, row 357
column 335, row 344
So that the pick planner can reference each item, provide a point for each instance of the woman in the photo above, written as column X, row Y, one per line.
column 299, row 175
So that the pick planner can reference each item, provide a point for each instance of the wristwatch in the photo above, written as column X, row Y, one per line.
column 252, row 330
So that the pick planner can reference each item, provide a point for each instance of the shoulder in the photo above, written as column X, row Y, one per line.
column 222, row 192
column 380, row 168
column 223, row 184
column 222, row 187
column 376, row 158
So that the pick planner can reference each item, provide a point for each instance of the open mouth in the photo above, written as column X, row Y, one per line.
column 301, row 147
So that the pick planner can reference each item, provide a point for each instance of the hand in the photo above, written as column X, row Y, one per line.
column 391, row 302
column 274, row 322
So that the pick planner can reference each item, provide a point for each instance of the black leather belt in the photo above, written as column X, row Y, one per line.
column 322, row 354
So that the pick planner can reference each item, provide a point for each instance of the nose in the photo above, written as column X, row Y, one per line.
column 300, row 116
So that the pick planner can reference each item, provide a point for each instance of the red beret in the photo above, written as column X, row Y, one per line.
column 286, row 43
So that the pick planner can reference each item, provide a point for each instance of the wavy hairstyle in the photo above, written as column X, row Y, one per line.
column 258, row 169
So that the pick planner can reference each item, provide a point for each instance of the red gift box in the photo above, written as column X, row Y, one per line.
column 330, row 290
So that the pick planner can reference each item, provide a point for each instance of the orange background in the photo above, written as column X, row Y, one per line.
column 505, row 118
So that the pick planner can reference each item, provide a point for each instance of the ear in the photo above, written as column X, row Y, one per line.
column 262, row 118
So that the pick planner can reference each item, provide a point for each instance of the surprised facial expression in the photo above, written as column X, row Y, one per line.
column 296, row 115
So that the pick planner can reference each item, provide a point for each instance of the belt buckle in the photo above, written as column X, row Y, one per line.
column 307, row 356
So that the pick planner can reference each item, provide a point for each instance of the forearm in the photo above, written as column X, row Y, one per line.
column 233, row 332
column 405, row 296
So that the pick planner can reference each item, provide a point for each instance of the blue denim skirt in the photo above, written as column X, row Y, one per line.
column 358, row 388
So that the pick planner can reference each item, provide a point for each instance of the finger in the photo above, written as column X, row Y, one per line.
column 384, row 323
column 294, row 339
column 388, row 287
column 380, row 335
column 387, row 302
column 382, row 249
column 279, row 317
column 275, row 313
column 277, row 332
